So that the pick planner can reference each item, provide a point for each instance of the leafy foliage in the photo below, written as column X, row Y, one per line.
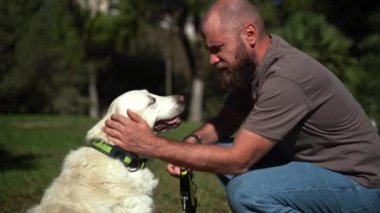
column 49, row 47
column 365, row 84
column 46, row 61
column 53, row 52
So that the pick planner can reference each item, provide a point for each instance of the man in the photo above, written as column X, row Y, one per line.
column 302, row 144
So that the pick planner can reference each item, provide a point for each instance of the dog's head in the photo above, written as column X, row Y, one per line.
column 160, row 112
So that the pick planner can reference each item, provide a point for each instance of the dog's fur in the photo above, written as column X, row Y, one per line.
column 90, row 181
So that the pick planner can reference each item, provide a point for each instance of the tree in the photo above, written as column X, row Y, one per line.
column 191, row 10
column 45, row 59
column 57, row 47
column 104, row 29
column 365, row 78
column 185, row 13
column 12, row 16
column 55, row 51
column 365, row 84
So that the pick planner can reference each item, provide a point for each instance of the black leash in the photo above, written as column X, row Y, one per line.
column 187, row 190
column 187, row 185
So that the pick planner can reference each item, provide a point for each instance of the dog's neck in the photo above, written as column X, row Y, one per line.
column 131, row 160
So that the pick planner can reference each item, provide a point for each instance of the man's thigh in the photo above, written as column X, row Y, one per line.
column 299, row 187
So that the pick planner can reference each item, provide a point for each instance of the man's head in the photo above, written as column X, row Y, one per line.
column 232, row 31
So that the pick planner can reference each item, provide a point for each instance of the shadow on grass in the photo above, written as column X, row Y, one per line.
column 9, row 161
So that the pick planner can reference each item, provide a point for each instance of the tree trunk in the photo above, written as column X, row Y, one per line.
column 93, row 91
column 196, row 104
column 192, row 50
column 168, row 55
column 168, row 75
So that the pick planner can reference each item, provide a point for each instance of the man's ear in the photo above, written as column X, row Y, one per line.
column 250, row 34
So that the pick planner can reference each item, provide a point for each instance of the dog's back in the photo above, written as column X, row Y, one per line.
column 92, row 182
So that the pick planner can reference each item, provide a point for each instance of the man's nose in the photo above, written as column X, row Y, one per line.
column 214, row 59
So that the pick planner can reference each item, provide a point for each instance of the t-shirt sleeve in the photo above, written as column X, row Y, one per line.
column 280, row 105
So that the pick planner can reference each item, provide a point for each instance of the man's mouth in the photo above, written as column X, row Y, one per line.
column 164, row 125
column 221, row 66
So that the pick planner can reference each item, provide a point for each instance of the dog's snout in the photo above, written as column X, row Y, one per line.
column 180, row 99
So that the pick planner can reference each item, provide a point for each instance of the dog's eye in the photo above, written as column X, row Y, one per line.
column 152, row 101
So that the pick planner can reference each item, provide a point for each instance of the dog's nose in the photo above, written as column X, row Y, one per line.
column 181, row 99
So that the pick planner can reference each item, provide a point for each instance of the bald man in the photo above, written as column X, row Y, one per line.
column 302, row 143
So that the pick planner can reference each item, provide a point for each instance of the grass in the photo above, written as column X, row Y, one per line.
column 33, row 147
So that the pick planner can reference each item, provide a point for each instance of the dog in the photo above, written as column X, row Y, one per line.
column 92, row 180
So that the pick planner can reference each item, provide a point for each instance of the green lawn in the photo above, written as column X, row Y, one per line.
column 32, row 149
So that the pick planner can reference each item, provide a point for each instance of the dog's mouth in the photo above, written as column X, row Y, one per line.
column 164, row 125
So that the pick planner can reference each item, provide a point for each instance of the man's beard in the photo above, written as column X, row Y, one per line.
column 238, row 76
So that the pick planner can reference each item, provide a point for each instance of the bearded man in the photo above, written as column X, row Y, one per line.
column 302, row 142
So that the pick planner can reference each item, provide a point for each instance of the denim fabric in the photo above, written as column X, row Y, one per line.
column 280, row 186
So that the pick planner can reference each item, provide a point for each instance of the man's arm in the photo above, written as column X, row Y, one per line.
column 134, row 135
column 223, row 125
column 247, row 149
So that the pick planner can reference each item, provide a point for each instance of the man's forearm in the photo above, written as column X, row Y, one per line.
column 248, row 148
column 210, row 158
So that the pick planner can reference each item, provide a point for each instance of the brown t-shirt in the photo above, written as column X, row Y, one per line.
column 299, row 104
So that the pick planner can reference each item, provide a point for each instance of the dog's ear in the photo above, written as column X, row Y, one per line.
column 120, row 111
column 116, row 109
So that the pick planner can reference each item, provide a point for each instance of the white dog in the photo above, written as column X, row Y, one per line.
column 102, row 177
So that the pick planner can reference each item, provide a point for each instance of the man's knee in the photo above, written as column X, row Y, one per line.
column 247, row 194
column 235, row 195
column 241, row 197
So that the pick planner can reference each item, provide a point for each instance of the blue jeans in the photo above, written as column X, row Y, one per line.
column 277, row 185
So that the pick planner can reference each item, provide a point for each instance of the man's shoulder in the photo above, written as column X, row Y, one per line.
column 281, row 49
column 285, row 59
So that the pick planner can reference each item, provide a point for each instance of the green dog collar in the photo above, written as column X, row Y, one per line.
column 129, row 159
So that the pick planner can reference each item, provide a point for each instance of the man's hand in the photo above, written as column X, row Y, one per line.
column 173, row 170
column 132, row 134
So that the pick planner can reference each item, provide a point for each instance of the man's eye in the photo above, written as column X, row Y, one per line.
column 152, row 101
column 214, row 50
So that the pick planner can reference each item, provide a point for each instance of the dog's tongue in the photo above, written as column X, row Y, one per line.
column 164, row 125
